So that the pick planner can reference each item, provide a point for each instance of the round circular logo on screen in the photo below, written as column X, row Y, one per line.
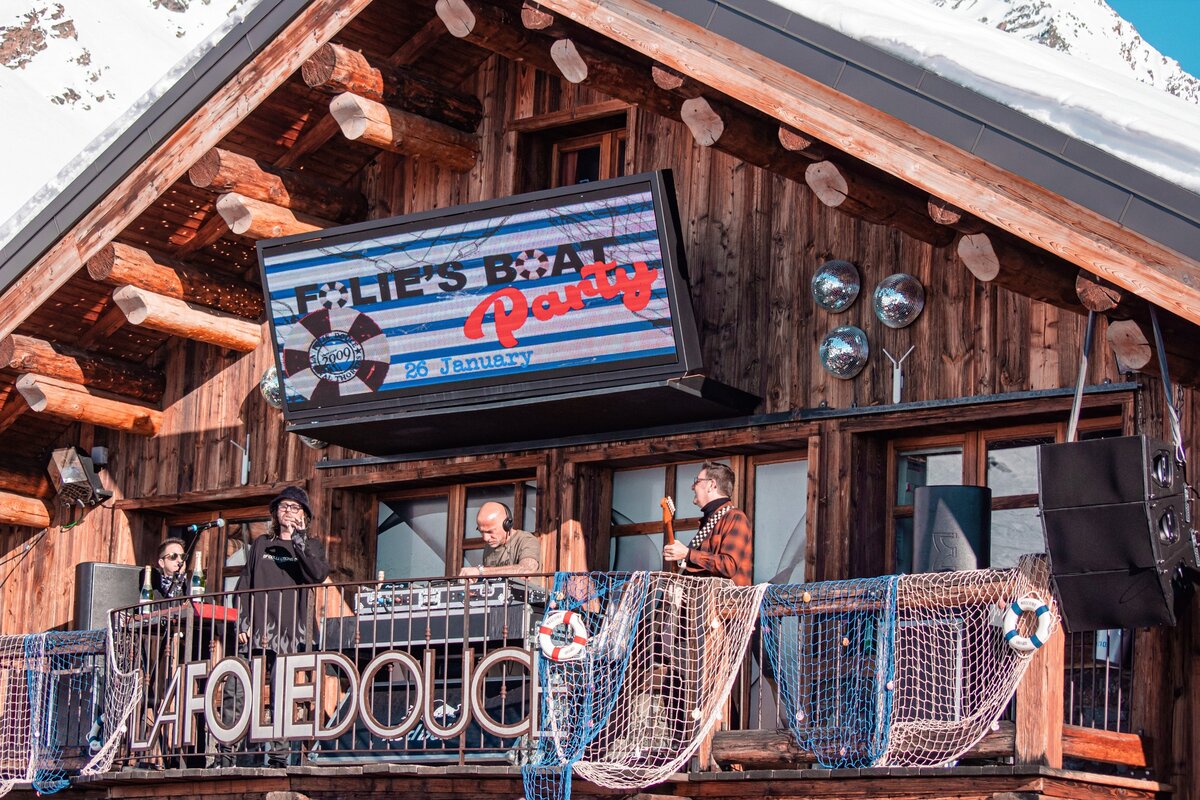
column 333, row 294
column 335, row 356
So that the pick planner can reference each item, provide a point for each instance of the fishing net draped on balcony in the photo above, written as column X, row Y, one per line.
column 57, row 692
column 898, row 670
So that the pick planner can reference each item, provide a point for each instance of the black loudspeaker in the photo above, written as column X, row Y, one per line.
column 101, row 587
column 1117, row 527
column 951, row 528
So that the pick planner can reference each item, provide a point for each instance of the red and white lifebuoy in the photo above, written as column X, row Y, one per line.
column 571, row 651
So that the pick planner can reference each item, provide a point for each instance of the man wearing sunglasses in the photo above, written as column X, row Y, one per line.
column 723, row 547
column 171, row 580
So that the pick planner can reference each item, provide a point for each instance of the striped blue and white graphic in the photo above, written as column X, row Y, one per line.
column 420, row 287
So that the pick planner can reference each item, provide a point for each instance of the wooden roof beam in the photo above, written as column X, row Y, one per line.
column 120, row 264
column 14, row 407
column 27, row 482
column 400, row 132
column 30, row 512
column 859, row 195
column 952, row 216
column 223, row 171
column 1016, row 204
column 493, row 29
column 75, row 403
column 27, row 354
column 255, row 219
column 335, row 69
column 188, row 320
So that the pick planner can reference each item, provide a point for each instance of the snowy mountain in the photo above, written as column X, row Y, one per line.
column 1086, row 29
column 75, row 73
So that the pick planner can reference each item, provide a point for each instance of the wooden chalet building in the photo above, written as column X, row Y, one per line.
column 133, row 319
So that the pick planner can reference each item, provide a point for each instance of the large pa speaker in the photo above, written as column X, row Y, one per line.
column 951, row 528
column 101, row 587
column 1117, row 527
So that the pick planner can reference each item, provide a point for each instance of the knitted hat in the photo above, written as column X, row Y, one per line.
column 296, row 495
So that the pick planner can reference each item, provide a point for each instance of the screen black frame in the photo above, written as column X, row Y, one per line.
column 687, row 359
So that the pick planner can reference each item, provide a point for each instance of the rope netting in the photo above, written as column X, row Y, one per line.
column 52, row 687
column 831, row 647
column 907, row 671
column 654, row 661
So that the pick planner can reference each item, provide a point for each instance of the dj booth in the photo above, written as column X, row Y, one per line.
column 442, row 624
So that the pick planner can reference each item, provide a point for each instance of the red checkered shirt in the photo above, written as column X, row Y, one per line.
column 728, row 552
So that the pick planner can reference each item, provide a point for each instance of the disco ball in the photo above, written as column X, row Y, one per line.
column 272, row 390
column 844, row 351
column 899, row 299
column 315, row 444
column 835, row 285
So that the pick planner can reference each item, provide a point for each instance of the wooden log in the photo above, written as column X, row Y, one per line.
column 400, row 132
column 14, row 407
column 188, row 320
column 490, row 28
column 16, row 509
column 223, row 171
column 77, row 403
column 993, row 256
column 123, row 265
column 774, row 749
column 944, row 213
column 617, row 77
column 666, row 79
column 29, row 483
column 1130, row 345
column 334, row 69
column 534, row 18
column 862, row 196
column 1096, row 295
column 308, row 142
column 210, row 231
column 803, row 145
column 28, row 354
column 255, row 219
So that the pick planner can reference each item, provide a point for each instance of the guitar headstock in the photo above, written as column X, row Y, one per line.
column 668, row 506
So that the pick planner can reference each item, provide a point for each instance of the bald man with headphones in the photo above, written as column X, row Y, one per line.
column 508, row 551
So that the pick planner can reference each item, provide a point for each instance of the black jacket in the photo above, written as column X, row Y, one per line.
column 278, row 620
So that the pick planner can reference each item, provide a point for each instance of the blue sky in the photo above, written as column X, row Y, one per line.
column 1171, row 26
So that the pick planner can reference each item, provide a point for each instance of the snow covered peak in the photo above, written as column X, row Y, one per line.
column 1087, row 29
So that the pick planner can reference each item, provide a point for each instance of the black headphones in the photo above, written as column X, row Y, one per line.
column 508, row 520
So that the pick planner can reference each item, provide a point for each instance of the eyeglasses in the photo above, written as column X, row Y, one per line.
column 174, row 557
column 700, row 479
column 289, row 507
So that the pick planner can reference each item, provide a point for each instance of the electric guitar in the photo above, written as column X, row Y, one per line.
column 668, row 509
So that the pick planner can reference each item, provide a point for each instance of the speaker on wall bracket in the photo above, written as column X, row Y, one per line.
column 1118, row 525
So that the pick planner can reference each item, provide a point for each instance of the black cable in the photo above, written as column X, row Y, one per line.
column 21, row 558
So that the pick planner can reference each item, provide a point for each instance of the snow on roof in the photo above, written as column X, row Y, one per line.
column 1139, row 124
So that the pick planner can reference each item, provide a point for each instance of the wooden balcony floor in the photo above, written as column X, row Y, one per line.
column 389, row 780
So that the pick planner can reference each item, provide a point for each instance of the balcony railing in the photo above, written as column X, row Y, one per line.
column 444, row 671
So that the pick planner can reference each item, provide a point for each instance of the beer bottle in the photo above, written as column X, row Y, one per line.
column 198, row 585
column 147, row 593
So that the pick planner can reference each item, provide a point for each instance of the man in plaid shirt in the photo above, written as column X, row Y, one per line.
column 724, row 545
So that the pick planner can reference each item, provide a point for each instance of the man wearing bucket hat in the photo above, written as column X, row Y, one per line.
column 274, row 619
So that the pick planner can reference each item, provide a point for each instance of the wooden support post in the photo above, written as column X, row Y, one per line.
column 17, row 509
column 23, row 481
column 255, row 219
column 122, row 265
column 188, row 320
column 334, row 69
column 76, row 403
column 400, row 132
column 1039, row 707
column 993, row 256
column 862, row 196
column 27, row 354
column 223, row 171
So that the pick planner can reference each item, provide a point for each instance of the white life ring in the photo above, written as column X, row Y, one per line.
column 1027, row 644
column 572, row 650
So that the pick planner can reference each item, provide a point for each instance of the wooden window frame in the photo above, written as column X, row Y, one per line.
column 610, row 144
column 974, row 446
column 457, row 525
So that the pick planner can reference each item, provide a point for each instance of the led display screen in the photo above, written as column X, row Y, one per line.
column 575, row 286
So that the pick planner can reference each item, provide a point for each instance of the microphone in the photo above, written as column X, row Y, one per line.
column 203, row 526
